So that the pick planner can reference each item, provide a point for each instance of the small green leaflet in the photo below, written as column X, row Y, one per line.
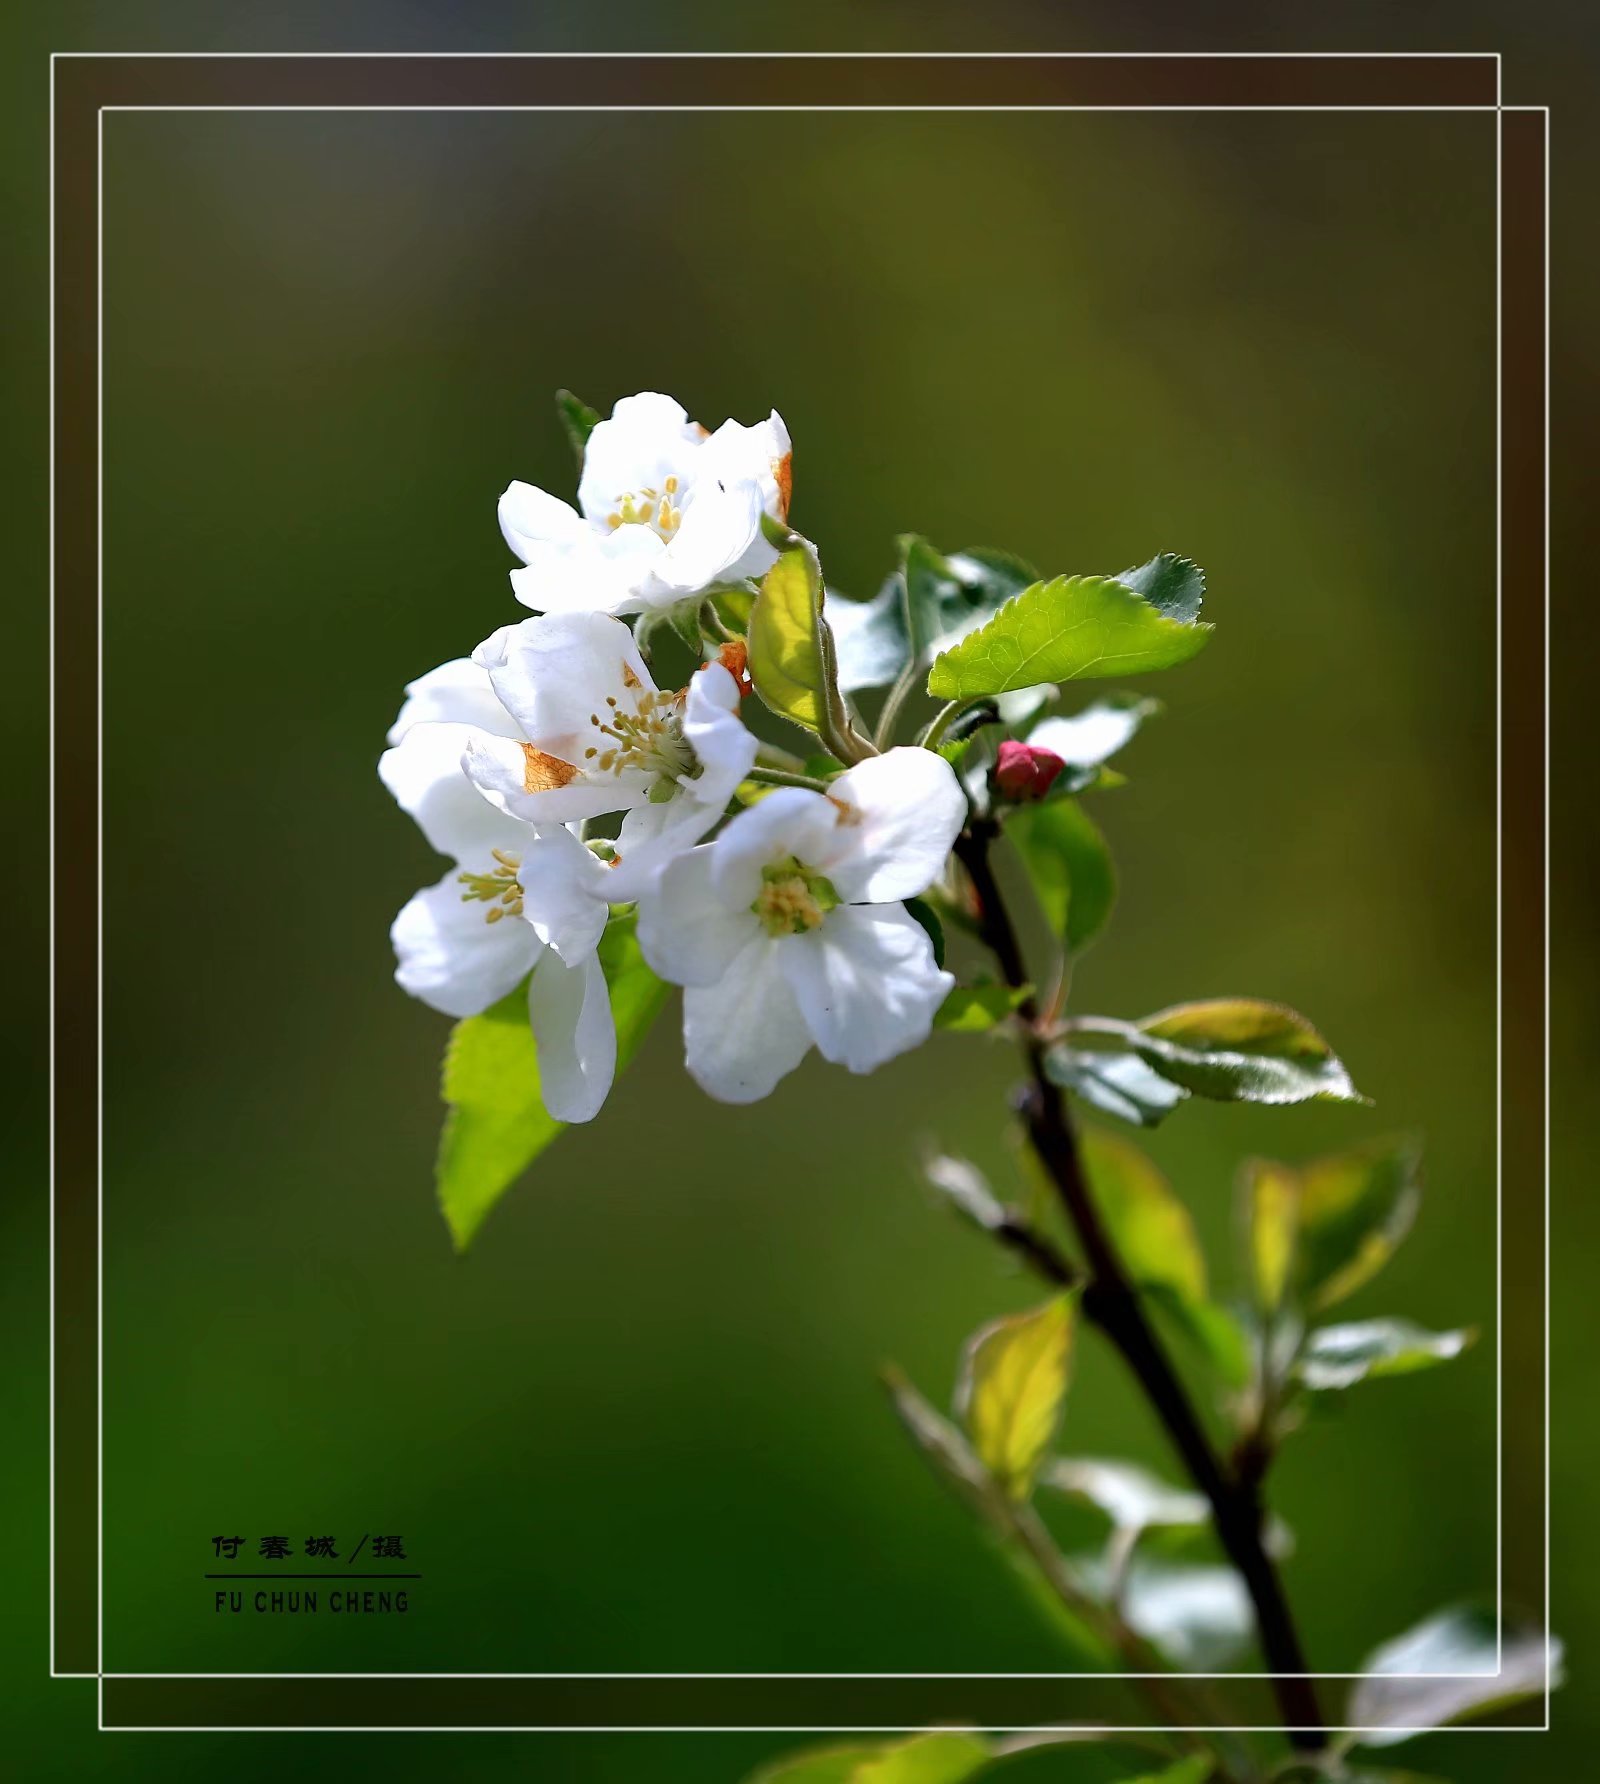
column 1242, row 1050
column 497, row 1125
column 787, row 663
column 1070, row 866
column 975, row 1009
column 1336, row 1357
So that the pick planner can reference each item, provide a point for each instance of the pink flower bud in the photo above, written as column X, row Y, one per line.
column 1024, row 773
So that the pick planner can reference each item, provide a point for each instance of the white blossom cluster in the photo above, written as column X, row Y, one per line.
column 782, row 916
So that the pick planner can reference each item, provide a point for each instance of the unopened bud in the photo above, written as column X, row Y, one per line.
column 1023, row 773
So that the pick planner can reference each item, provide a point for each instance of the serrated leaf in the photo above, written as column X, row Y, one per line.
column 1174, row 584
column 1318, row 1231
column 1152, row 1230
column 975, row 1009
column 1013, row 1388
column 1242, row 1049
column 1119, row 1084
column 497, row 1124
column 1512, row 1665
column 1064, row 630
column 1070, row 867
column 578, row 421
column 1336, row 1357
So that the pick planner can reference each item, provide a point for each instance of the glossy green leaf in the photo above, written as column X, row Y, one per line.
column 1119, row 1084
column 497, row 1124
column 1063, row 630
column 1335, row 1357
column 1152, row 1230
column 1070, row 866
column 578, row 420
column 1318, row 1231
column 1242, row 1049
column 975, row 1009
column 1511, row 1665
column 1013, row 1389
column 787, row 661
column 1171, row 583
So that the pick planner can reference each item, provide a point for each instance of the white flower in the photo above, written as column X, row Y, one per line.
column 593, row 734
column 505, row 908
column 667, row 511
column 788, row 931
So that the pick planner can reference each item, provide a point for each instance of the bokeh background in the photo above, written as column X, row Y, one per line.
column 639, row 1426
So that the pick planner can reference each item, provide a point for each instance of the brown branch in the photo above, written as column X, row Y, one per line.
column 1112, row 1303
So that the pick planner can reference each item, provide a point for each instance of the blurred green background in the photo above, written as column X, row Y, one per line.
column 639, row 1427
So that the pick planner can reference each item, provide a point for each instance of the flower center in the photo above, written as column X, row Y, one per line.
column 650, row 739
column 793, row 898
column 500, row 888
column 654, row 508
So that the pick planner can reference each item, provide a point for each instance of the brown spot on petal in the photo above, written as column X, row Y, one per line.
column 629, row 678
column 783, row 470
column 542, row 773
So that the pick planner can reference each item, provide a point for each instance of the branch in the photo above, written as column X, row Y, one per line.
column 1111, row 1302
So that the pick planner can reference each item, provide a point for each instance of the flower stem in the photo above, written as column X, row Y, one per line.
column 1111, row 1302
column 894, row 704
column 780, row 777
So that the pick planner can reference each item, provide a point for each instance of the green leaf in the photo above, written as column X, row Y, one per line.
column 1013, row 1388
column 1169, row 582
column 1514, row 1664
column 1337, row 1357
column 1070, row 867
column 826, row 1765
column 787, row 661
column 1319, row 1231
column 1215, row 1332
column 1242, row 1049
column 1071, row 627
column 929, row 602
column 947, row 1451
column 1197, row 1614
column 975, row 1009
column 497, row 1124
column 1119, row 1084
column 578, row 420
column 1150, row 1227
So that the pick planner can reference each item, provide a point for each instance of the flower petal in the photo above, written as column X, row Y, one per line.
column 903, row 811
column 564, row 893
column 531, row 521
column 790, row 821
column 745, row 1032
column 554, row 674
column 866, row 983
column 456, row 693
column 594, row 574
column 650, row 837
column 515, row 778
column 723, row 742
column 451, row 958
column 720, row 524
column 645, row 440
column 575, row 1036
column 686, row 933
column 424, row 773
